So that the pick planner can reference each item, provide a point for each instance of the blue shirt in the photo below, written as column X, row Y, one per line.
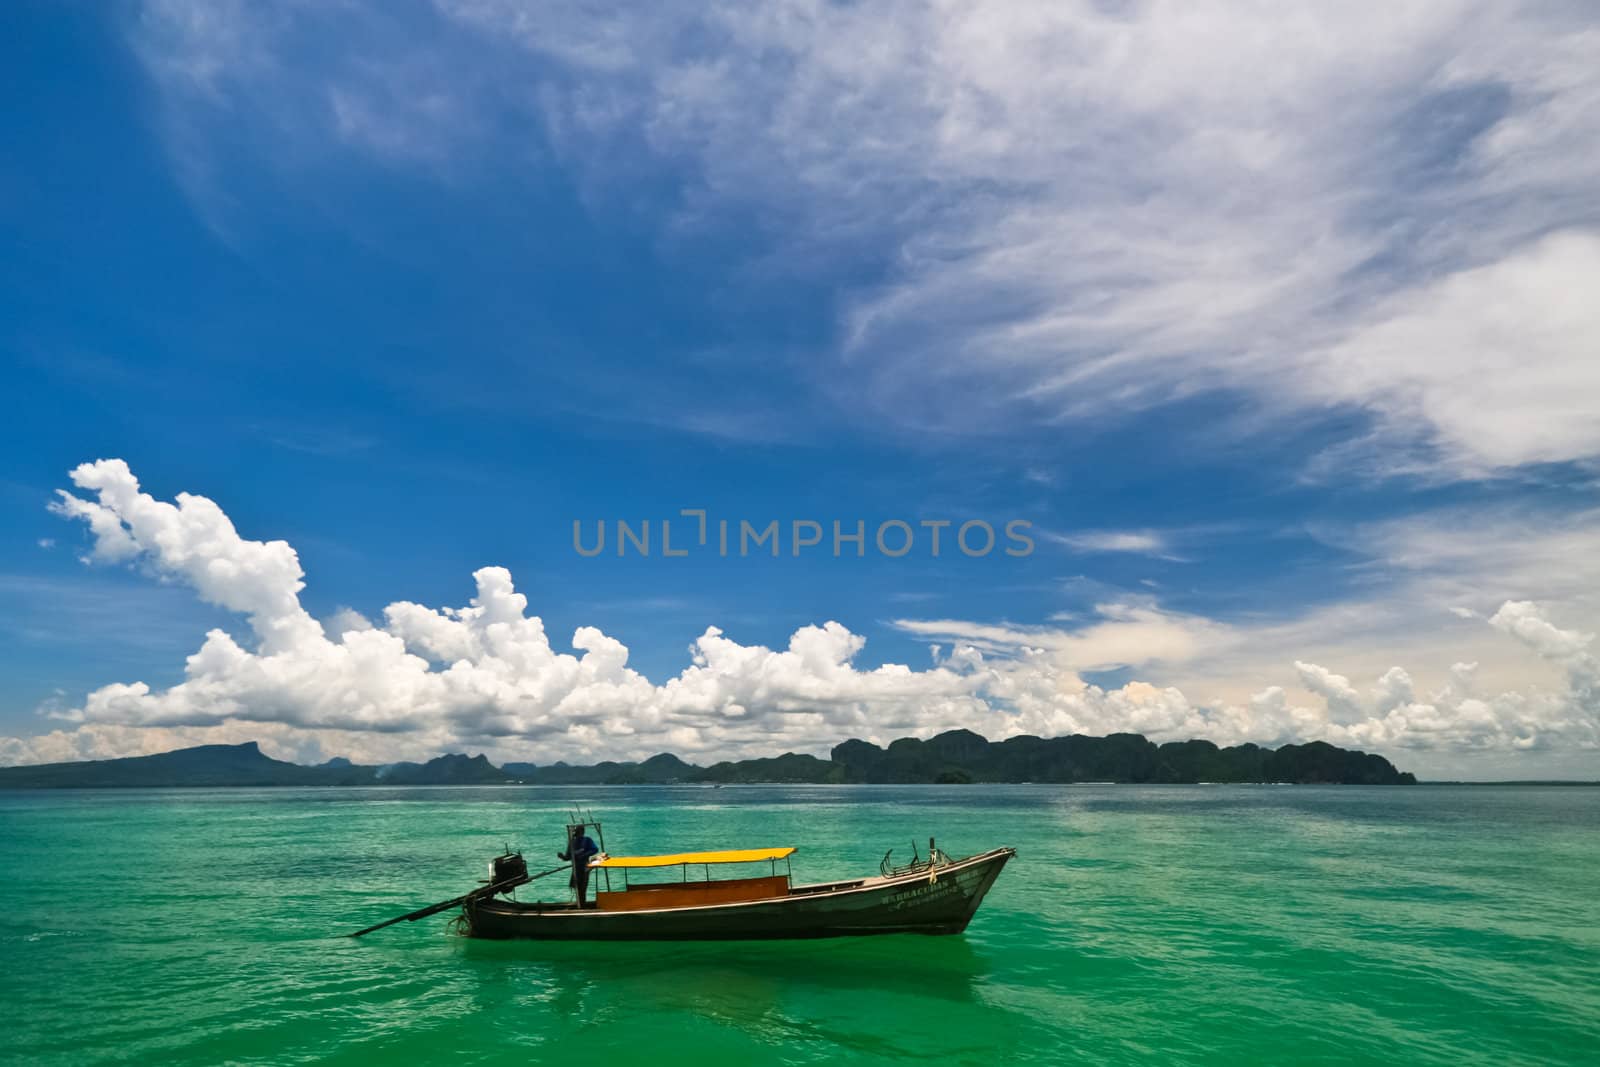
column 580, row 850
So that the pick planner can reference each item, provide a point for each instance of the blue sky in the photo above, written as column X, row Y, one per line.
column 1278, row 339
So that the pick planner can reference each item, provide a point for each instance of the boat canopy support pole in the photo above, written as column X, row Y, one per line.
column 600, row 832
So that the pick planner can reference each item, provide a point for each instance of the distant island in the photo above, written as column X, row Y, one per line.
column 953, row 758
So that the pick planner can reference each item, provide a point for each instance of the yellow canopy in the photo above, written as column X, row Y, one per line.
column 737, row 855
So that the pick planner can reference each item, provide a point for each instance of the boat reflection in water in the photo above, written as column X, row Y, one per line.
column 933, row 895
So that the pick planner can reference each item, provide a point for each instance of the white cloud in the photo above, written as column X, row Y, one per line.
column 486, row 676
column 484, row 672
column 90, row 741
column 1500, row 362
column 346, row 619
column 1524, row 622
column 1124, row 634
column 1087, row 208
column 1343, row 702
column 1413, row 590
column 1137, row 542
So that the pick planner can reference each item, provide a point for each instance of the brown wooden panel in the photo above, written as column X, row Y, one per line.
column 693, row 894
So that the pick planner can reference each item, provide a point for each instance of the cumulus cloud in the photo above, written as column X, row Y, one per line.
column 1343, row 702
column 1457, row 716
column 487, row 674
column 1523, row 621
column 1075, row 210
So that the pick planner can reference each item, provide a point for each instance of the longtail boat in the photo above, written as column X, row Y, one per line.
column 936, row 894
column 932, row 895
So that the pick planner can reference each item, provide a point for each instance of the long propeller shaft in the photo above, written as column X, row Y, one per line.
column 476, row 894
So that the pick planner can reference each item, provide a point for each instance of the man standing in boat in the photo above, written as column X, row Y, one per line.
column 580, row 850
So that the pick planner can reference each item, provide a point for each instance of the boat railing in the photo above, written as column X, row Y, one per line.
column 936, row 858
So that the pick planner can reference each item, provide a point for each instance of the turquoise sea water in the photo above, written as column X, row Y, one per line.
column 1185, row 925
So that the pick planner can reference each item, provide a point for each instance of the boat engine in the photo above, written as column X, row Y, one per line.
column 508, row 867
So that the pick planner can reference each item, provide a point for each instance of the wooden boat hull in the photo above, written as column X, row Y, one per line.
column 941, row 901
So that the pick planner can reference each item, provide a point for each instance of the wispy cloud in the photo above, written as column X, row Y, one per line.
column 1076, row 211
column 1136, row 542
column 315, row 440
column 910, row 597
